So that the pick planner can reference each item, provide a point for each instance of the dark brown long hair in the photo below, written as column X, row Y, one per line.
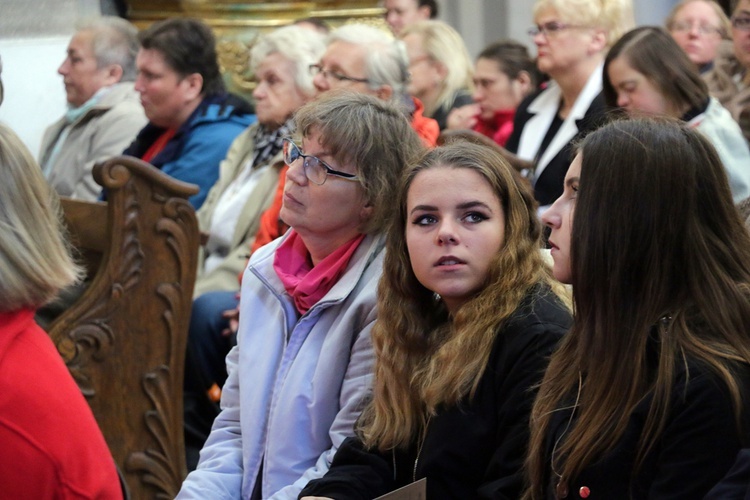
column 651, row 51
column 660, row 263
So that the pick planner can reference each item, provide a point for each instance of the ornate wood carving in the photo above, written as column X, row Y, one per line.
column 124, row 338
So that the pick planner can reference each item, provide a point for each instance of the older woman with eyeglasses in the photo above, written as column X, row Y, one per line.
column 572, row 38
column 729, row 80
column 699, row 27
column 302, row 367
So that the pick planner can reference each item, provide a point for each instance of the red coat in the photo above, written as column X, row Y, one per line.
column 426, row 128
column 51, row 445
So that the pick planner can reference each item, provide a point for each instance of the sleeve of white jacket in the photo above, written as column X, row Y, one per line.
column 355, row 391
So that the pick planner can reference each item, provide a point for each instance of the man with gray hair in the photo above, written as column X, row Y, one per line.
column 104, row 111
column 369, row 60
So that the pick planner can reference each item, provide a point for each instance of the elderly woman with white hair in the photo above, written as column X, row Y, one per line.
column 367, row 59
column 229, row 218
column 250, row 172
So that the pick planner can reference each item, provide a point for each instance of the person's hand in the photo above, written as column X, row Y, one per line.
column 464, row 117
column 233, row 316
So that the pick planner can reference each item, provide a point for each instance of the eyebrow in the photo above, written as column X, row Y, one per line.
column 462, row 206
column 571, row 181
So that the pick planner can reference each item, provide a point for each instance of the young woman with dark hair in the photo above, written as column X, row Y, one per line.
column 647, row 74
column 649, row 393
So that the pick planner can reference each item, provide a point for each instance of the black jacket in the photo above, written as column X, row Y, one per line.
column 475, row 449
column 697, row 447
column 549, row 185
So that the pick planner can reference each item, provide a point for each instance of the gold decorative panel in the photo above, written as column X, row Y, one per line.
column 237, row 24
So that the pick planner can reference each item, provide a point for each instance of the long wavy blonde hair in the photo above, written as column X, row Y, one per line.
column 426, row 358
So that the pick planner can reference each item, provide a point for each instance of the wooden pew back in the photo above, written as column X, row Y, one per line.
column 124, row 338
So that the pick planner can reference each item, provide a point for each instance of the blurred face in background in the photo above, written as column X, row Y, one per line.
column 402, row 13
column 741, row 32
column 81, row 76
column 562, row 45
column 342, row 66
column 167, row 97
column 696, row 28
column 495, row 91
column 276, row 93
column 426, row 73
column 636, row 93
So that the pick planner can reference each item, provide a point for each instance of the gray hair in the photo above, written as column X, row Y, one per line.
column 35, row 259
column 386, row 63
column 114, row 41
column 299, row 45
column 372, row 135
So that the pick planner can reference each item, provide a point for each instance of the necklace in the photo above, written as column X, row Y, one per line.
column 561, row 487
column 419, row 448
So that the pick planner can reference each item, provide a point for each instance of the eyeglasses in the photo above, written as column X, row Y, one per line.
column 703, row 29
column 317, row 68
column 552, row 28
column 417, row 60
column 315, row 169
column 741, row 23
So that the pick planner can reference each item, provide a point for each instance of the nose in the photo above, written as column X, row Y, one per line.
column 63, row 69
column 551, row 216
column 539, row 39
column 622, row 100
column 296, row 172
column 477, row 95
column 259, row 91
column 320, row 82
column 138, row 86
column 446, row 234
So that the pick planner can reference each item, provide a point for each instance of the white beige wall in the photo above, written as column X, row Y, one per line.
column 33, row 37
column 483, row 21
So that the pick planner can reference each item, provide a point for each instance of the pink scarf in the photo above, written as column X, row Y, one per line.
column 305, row 283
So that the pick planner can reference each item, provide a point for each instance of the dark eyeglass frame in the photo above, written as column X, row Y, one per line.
column 552, row 28
column 308, row 163
column 318, row 69
column 741, row 23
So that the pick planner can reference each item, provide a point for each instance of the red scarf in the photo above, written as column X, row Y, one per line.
column 158, row 145
column 499, row 128
column 305, row 283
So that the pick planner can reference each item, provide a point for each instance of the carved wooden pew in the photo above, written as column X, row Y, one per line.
column 124, row 338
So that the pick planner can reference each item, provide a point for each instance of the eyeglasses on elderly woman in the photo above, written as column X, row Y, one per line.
column 316, row 170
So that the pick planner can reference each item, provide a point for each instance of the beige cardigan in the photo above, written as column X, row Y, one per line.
column 225, row 275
